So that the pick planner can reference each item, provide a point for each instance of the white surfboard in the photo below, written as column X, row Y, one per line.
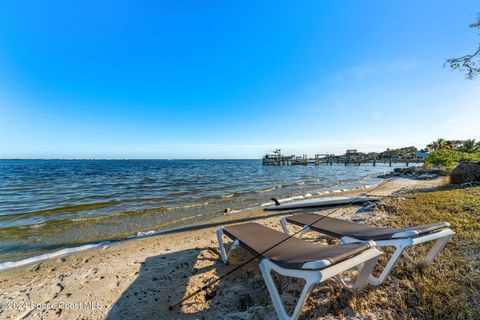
column 321, row 202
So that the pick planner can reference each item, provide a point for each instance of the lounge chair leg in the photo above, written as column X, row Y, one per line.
column 223, row 253
column 435, row 250
column 266, row 267
column 365, row 272
column 305, row 229
column 283, row 223
column 399, row 250
column 375, row 281
column 407, row 256
column 221, row 245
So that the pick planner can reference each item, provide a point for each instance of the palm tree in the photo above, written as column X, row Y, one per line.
column 443, row 144
column 448, row 145
column 438, row 144
column 470, row 146
column 432, row 146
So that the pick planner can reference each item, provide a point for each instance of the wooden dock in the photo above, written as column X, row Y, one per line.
column 350, row 158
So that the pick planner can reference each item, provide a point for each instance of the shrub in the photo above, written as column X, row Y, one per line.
column 448, row 159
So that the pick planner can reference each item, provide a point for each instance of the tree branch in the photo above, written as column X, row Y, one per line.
column 470, row 63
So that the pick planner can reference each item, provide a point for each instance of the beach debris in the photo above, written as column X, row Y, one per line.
column 244, row 301
column 58, row 311
column 60, row 286
column 210, row 294
column 367, row 207
column 144, row 234
column 470, row 184
column 36, row 267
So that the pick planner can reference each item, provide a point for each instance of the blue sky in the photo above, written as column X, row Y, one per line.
column 220, row 79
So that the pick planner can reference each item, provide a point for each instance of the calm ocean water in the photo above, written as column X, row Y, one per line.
column 46, row 205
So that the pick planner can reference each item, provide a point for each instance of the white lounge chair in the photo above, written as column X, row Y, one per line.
column 400, row 238
column 298, row 258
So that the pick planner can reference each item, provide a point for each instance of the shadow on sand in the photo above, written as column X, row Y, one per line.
column 165, row 279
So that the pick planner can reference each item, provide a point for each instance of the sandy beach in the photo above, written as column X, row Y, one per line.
column 139, row 278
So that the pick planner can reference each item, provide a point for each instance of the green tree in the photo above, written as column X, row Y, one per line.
column 439, row 144
column 470, row 146
column 432, row 146
column 470, row 63
column 448, row 159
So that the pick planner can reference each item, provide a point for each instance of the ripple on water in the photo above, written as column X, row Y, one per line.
column 49, row 204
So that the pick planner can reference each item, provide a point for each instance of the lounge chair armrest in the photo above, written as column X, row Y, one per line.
column 371, row 244
column 315, row 265
column 414, row 233
column 320, row 264
column 347, row 239
column 406, row 234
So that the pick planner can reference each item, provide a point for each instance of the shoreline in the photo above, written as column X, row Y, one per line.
column 5, row 265
column 121, row 276
column 66, row 216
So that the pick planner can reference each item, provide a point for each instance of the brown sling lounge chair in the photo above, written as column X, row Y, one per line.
column 400, row 238
column 298, row 258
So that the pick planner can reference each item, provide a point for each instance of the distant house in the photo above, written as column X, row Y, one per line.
column 352, row 155
column 455, row 144
column 421, row 154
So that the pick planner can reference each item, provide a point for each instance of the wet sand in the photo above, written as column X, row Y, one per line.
column 140, row 278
